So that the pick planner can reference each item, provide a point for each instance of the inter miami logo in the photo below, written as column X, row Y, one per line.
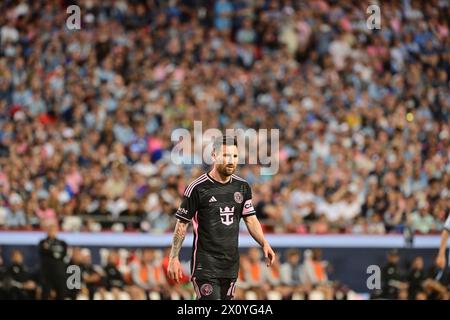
column 226, row 215
column 238, row 197
column 206, row 289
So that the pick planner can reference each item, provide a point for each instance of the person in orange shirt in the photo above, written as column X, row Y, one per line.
column 147, row 274
column 253, row 273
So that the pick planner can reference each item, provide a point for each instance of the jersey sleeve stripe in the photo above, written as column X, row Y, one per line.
column 193, row 184
column 238, row 178
column 188, row 194
column 183, row 218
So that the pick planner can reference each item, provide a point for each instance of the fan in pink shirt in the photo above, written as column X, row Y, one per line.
column 74, row 180
column 46, row 215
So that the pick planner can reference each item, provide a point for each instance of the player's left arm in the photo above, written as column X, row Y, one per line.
column 255, row 230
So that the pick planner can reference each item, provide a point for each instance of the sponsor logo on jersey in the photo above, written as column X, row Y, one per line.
column 213, row 199
column 182, row 211
column 226, row 215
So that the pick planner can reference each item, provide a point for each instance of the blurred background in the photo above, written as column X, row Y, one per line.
column 86, row 118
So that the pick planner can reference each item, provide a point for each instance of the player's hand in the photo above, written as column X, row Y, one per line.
column 174, row 270
column 440, row 261
column 269, row 255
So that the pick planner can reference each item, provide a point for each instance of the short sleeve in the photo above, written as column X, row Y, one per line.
column 189, row 206
column 248, row 209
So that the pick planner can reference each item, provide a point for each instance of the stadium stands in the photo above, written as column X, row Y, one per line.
column 86, row 115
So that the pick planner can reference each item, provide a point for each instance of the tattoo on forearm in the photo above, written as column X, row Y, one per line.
column 178, row 238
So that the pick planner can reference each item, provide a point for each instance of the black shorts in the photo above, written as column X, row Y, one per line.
column 214, row 289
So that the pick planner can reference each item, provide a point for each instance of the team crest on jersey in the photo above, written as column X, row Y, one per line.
column 238, row 197
column 226, row 215
column 206, row 289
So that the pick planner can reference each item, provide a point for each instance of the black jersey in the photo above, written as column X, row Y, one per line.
column 113, row 277
column 215, row 210
column 52, row 253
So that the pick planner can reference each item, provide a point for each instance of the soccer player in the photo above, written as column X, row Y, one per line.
column 440, row 260
column 215, row 202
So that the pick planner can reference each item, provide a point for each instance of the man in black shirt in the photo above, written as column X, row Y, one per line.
column 113, row 278
column 392, row 277
column 416, row 276
column 52, row 252
column 103, row 215
column 91, row 274
column 215, row 202
column 22, row 285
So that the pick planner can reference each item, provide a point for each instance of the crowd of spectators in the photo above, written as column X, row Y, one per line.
column 141, row 274
column 412, row 280
column 86, row 115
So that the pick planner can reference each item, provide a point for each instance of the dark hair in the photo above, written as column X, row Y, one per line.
column 292, row 252
column 224, row 141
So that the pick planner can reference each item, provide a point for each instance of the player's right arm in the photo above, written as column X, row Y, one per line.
column 175, row 270
column 184, row 214
column 440, row 260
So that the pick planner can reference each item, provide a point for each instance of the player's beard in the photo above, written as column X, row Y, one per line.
column 226, row 170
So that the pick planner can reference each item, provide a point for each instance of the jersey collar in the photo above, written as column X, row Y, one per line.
column 215, row 181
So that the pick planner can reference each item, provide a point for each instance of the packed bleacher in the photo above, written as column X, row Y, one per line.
column 86, row 115
column 86, row 118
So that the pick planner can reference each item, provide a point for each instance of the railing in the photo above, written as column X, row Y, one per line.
column 136, row 239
